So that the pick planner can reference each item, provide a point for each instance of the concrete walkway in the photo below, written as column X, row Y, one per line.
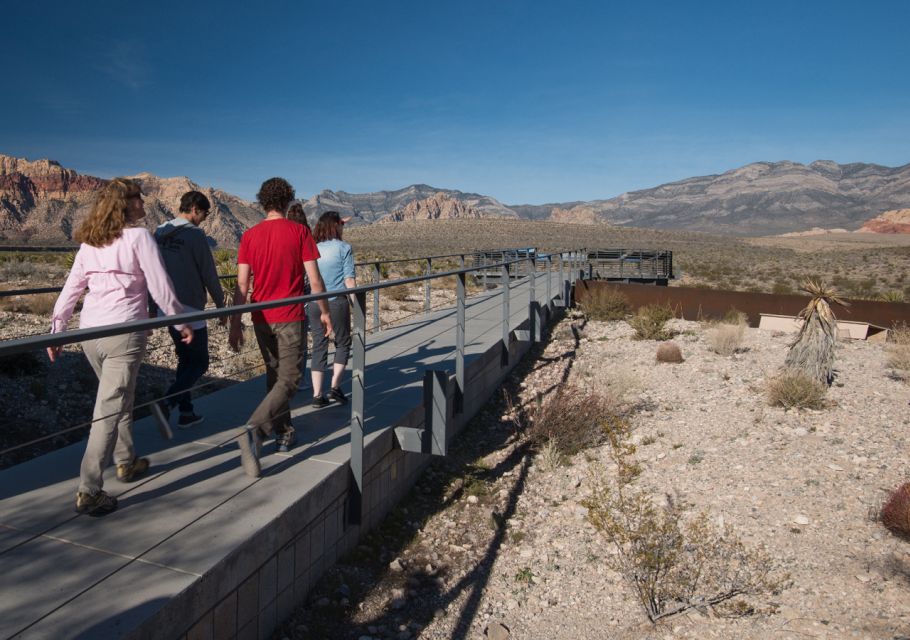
column 64, row 575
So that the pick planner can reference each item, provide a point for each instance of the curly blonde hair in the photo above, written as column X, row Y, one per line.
column 108, row 217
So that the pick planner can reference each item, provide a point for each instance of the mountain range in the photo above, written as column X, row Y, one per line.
column 42, row 202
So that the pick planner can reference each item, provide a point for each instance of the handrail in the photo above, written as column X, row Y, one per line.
column 20, row 345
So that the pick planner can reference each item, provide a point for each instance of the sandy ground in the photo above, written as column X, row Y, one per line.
column 495, row 543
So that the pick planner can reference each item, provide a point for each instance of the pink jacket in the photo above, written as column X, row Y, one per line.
column 119, row 277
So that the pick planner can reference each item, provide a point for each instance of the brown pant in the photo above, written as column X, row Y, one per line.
column 281, row 345
column 116, row 361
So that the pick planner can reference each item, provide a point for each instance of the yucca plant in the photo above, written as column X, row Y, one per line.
column 813, row 350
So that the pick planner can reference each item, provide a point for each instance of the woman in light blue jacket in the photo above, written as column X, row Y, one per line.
column 336, row 264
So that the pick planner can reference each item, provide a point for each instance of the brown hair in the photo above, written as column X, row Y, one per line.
column 107, row 219
column 275, row 194
column 328, row 227
column 297, row 214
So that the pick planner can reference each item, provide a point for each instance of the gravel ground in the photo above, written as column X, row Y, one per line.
column 495, row 543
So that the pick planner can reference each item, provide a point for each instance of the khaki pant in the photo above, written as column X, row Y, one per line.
column 281, row 345
column 116, row 361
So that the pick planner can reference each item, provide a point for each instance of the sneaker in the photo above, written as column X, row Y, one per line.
column 95, row 504
column 132, row 470
column 286, row 440
column 162, row 414
column 187, row 420
column 250, row 441
column 320, row 401
column 337, row 395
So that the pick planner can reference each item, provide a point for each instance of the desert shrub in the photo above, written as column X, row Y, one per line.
column 792, row 388
column 895, row 513
column 573, row 420
column 899, row 350
column 669, row 352
column 41, row 304
column 649, row 322
column 605, row 303
column 399, row 293
column 549, row 457
column 892, row 296
column 674, row 563
column 726, row 339
column 735, row 316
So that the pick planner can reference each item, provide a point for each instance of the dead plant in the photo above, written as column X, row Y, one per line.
column 725, row 339
column 574, row 419
column 792, row 388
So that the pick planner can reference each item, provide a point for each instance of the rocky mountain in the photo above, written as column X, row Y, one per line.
column 43, row 202
column 579, row 214
column 897, row 221
column 440, row 207
column 371, row 207
column 759, row 199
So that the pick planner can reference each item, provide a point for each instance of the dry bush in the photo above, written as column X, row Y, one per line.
column 725, row 339
column 605, row 303
column 549, row 457
column 669, row 352
column 649, row 322
column 574, row 419
column 673, row 562
column 792, row 388
column 895, row 513
column 617, row 385
column 41, row 304
column 398, row 293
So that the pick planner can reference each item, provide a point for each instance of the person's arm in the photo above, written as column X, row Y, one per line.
column 159, row 282
column 75, row 284
column 348, row 270
column 242, row 290
column 209, row 274
column 318, row 286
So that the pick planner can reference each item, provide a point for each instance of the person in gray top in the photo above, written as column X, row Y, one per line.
column 190, row 265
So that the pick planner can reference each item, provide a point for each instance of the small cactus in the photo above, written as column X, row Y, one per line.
column 669, row 352
column 895, row 512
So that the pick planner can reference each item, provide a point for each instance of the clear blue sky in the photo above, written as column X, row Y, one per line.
column 529, row 102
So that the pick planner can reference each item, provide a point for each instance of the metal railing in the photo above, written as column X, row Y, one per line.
column 570, row 266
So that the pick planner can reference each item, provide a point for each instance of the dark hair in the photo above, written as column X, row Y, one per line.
column 275, row 194
column 297, row 214
column 195, row 199
column 328, row 227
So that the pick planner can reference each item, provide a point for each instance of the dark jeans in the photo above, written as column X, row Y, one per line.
column 192, row 362
column 340, row 312
column 280, row 346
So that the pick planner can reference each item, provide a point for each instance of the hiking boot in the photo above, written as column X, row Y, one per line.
column 320, row 401
column 286, row 440
column 250, row 441
column 336, row 394
column 132, row 470
column 162, row 414
column 187, row 420
column 95, row 504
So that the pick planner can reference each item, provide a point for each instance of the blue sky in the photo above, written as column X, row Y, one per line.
column 529, row 102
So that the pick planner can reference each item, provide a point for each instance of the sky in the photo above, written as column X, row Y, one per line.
column 528, row 102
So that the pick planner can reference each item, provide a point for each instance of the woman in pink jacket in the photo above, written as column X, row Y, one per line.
column 120, row 265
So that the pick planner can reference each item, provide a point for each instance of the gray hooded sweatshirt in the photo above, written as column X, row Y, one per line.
column 189, row 263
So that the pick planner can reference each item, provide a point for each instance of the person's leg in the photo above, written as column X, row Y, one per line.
column 304, row 332
column 192, row 362
column 341, row 323
column 275, row 407
column 268, row 347
column 115, row 361
column 320, row 351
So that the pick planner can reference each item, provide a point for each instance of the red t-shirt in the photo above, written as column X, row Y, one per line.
column 276, row 250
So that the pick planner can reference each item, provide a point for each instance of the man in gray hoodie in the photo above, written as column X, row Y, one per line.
column 190, row 265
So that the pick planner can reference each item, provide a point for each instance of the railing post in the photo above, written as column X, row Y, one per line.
column 549, row 283
column 358, row 368
column 459, row 341
column 533, row 320
column 506, row 287
column 426, row 287
column 377, row 326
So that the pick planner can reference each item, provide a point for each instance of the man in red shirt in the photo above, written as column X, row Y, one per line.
column 275, row 252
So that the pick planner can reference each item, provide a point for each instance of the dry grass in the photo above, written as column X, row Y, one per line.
column 726, row 339
column 792, row 388
column 899, row 350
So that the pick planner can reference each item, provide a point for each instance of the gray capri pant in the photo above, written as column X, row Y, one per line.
column 340, row 312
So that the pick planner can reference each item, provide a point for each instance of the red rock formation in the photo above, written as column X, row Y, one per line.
column 894, row 221
column 575, row 215
column 438, row 207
